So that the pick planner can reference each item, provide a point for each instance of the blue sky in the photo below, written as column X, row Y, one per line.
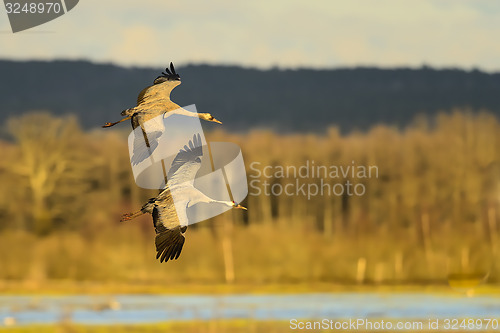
column 283, row 33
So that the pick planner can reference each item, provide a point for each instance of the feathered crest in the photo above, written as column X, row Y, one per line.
column 168, row 75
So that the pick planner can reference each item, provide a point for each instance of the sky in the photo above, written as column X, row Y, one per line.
column 264, row 34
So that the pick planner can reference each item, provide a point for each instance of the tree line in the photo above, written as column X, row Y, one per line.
column 431, row 214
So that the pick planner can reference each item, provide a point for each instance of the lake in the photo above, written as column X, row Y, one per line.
column 127, row 309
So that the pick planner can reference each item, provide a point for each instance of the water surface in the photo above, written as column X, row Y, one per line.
column 122, row 309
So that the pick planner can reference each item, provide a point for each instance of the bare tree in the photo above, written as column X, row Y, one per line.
column 46, row 145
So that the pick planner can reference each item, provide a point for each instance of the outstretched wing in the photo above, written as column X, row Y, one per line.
column 170, row 226
column 186, row 163
column 161, row 88
column 145, row 139
column 142, row 149
column 169, row 242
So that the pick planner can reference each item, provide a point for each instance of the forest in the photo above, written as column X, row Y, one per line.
column 282, row 100
column 429, row 216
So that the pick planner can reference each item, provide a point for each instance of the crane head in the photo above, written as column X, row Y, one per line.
column 168, row 75
column 235, row 205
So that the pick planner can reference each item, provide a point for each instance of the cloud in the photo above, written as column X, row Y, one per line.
column 261, row 33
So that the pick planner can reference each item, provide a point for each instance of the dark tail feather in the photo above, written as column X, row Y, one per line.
column 128, row 112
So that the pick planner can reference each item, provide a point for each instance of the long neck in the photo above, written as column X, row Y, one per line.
column 176, row 109
column 227, row 203
column 199, row 196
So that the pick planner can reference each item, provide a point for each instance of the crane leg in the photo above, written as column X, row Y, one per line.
column 130, row 216
column 113, row 124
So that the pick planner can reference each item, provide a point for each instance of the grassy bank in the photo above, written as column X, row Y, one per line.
column 100, row 288
column 213, row 326
column 221, row 326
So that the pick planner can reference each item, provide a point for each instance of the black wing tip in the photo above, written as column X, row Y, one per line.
column 169, row 243
column 192, row 144
column 168, row 75
column 196, row 140
column 171, row 253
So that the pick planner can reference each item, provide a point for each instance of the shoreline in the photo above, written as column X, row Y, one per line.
column 13, row 288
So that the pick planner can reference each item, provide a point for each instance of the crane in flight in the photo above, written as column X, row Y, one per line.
column 155, row 100
column 152, row 102
column 170, row 219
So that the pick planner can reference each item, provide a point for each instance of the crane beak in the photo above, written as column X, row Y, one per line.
column 235, row 205
column 216, row 121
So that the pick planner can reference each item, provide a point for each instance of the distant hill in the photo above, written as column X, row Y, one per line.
column 286, row 100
